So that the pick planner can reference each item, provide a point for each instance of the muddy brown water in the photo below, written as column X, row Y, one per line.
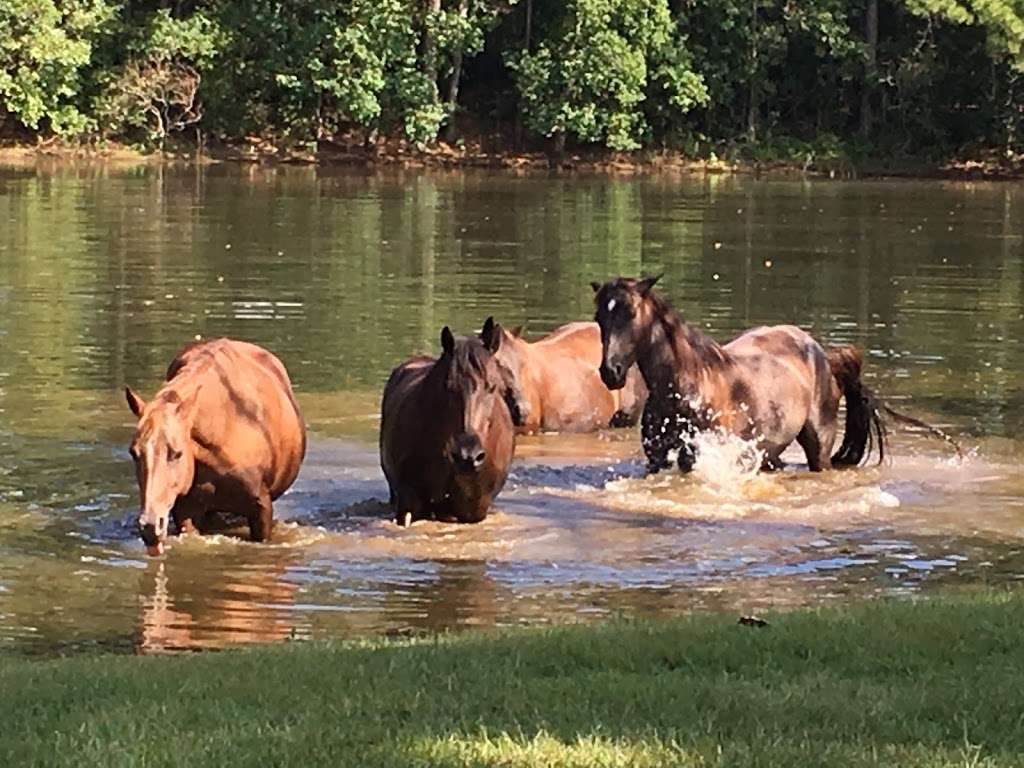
column 105, row 272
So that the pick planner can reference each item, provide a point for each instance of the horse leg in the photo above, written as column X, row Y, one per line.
column 687, row 457
column 189, row 511
column 660, row 434
column 816, row 449
column 407, row 506
column 261, row 516
column 185, row 513
column 621, row 419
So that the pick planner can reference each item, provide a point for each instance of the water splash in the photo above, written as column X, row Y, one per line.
column 725, row 460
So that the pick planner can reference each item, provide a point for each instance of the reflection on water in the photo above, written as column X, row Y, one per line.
column 105, row 273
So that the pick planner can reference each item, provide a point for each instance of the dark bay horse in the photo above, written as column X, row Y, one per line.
column 559, row 384
column 446, row 433
column 223, row 434
column 771, row 385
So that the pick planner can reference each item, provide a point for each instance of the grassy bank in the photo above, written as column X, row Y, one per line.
column 929, row 684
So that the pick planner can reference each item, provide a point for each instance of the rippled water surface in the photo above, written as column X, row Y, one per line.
column 106, row 272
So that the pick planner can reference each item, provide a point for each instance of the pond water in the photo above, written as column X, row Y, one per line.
column 105, row 272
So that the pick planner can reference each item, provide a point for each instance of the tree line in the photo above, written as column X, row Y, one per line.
column 899, row 78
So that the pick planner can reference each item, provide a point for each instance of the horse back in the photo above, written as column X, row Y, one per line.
column 781, row 374
column 247, row 418
column 580, row 340
column 565, row 364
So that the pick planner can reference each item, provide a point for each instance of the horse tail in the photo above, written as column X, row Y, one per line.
column 935, row 431
column 863, row 421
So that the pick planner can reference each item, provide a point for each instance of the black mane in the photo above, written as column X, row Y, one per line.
column 468, row 360
column 707, row 350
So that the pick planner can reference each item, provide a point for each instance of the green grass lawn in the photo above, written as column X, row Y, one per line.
column 935, row 683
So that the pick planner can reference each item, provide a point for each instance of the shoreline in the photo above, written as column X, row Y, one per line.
column 393, row 154
column 886, row 682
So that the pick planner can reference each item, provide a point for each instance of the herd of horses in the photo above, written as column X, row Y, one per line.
column 224, row 433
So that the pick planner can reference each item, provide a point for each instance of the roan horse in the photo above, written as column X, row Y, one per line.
column 446, row 434
column 224, row 434
column 771, row 385
column 559, row 384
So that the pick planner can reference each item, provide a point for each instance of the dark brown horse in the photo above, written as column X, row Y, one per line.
column 224, row 434
column 559, row 384
column 770, row 385
column 446, row 433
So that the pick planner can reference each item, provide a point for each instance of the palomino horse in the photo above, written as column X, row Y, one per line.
column 769, row 385
column 446, row 434
column 559, row 384
column 224, row 434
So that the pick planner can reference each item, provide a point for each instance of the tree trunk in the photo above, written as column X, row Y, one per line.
column 1014, row 112
column 453, row 84
column 752, row 102
column 433, row 7
column 870, row 66
column 527, row 34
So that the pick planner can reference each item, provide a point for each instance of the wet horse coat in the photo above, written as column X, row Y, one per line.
column 770, row 385
column 446, row 436
column 224, row 434
column 560, row 385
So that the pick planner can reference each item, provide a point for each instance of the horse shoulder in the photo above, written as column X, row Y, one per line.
column 405, row 378
column 402, row 404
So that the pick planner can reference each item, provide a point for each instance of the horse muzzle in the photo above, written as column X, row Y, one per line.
column 613, row 375
column 468, row 454
column 153, row 540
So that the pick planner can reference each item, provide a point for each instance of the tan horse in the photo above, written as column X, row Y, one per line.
column 769, row 385
column 446, row 434
column 224, row 434
column 559, row 384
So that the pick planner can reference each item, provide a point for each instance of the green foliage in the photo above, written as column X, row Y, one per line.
column 44, row 47
column 594, row 70
column 317, row 69
column 1002, row 20
column 197, row 39
column 944, row 75
column 157, row 87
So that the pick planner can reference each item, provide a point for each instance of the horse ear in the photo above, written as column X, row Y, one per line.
column 490, row 335
column 447, row 340
column 136, row 403
column 517, row 332
column 645, row 285
column 595, row 285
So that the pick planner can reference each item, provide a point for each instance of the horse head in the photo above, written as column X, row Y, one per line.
column 164, row 460
column 624, row 316
column 509, row 358
column 477, row 387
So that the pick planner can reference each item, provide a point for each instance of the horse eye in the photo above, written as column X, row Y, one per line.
column 173, row 455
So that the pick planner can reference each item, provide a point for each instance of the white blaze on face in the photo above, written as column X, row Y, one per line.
column 156, row 508
column 611, row 304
